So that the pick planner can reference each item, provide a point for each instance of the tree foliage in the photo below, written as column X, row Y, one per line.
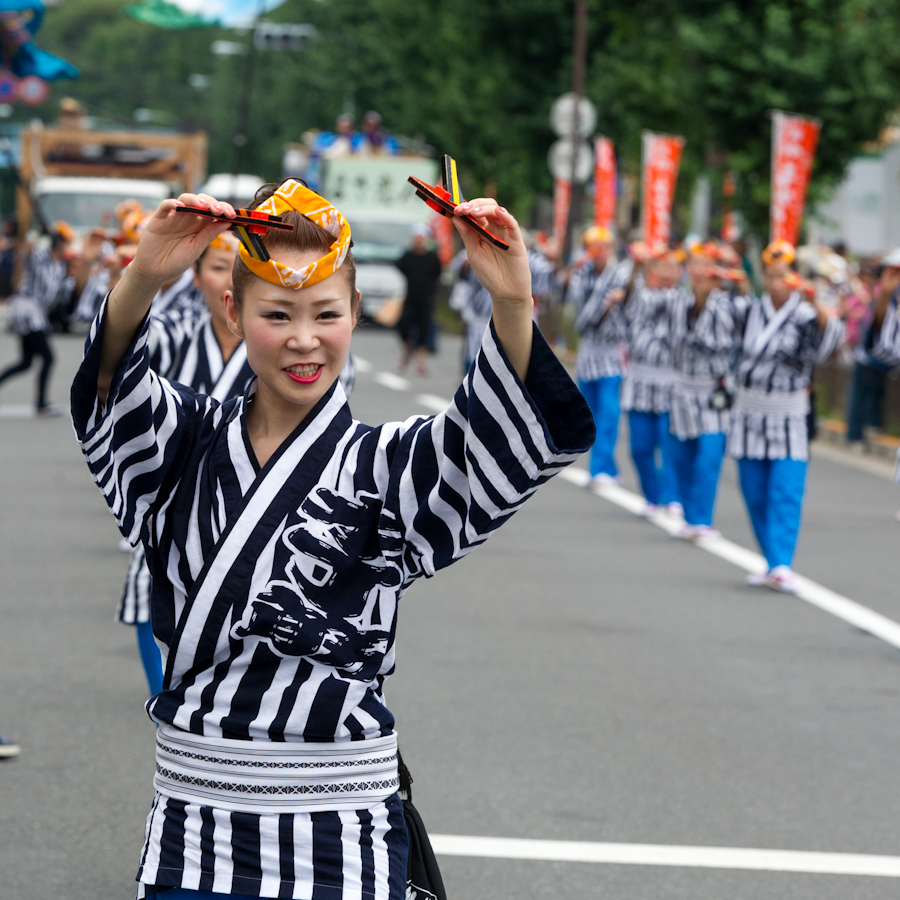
column 477, row 79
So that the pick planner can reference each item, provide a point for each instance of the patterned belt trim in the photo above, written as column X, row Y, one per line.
column 695, row 382
column 650, row 374
column 269, row 778
column 777, row 403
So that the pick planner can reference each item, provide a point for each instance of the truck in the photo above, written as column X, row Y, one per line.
column 80, row 174
column 381, row 206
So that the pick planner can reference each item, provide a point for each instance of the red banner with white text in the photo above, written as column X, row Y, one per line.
column 659, row 173
column 794, row 141
column 562, row 199
column 604, row 182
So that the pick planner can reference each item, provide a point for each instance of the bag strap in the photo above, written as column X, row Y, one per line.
column 287, row 478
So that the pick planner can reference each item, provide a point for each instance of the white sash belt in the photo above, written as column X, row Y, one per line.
column 777, row 403
column 697, row 383
column 650, row 374
column 268, row 778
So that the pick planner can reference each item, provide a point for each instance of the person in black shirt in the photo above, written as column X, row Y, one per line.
column 422, row 269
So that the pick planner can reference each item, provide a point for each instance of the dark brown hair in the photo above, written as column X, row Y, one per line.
column 307, row 236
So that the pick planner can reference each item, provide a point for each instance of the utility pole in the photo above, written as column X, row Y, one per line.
column 579, row 66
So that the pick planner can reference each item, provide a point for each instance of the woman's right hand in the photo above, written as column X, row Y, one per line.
column 171, row 242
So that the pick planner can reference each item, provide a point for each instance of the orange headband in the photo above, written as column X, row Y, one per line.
column 293, row 195
column 779, row 252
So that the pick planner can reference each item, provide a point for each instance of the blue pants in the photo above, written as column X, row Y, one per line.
column 650, row 432
column 866, row 400
column 602, row 397
column 150, row 657
column 773, row 491
column 697, row 464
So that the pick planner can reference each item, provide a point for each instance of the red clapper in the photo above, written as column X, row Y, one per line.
column 441, row 198
column 248, row 225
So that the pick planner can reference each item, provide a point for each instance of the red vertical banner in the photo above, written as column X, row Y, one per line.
column 659, row 173
column 729, row 219
column 442, row 229
column 604, row 183
column 794, row 141
column 562, row 198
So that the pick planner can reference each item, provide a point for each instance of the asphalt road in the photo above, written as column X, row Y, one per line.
column 582, row 677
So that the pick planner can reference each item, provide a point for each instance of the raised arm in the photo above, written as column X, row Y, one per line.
column 505, row 274
column 170, row 244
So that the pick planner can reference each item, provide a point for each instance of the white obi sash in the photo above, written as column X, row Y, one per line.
column 267, row 778
column 776, row 403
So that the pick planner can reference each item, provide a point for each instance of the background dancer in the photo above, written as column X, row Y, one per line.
column 42, row 282
column 422, row 268
column 281, row 634
column 781, row 335
column 596, row 289
column 647, row 388
column 703, row 341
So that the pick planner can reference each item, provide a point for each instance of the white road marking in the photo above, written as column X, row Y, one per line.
column 816, row 594
column 23, row 411
column 392, row 381
column 669, row 855
column 829, row 601
column 362, row 365
column 433, row 402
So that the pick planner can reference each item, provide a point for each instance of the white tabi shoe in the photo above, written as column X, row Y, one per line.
column 782, row 578
column 685, row 533
column 601, row 481
column 675, row 510
column 706, row 532
column 649, row 510
column 8, row 748
column 756, row 579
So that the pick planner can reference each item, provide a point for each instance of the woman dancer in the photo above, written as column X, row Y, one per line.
column 647, row 388
column 280, row 535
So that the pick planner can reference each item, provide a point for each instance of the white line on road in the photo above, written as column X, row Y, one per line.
column 17, row 412
column 392, row 381
column 822, row 597
column 669, row 855
column 433, row 402
column 362, row 365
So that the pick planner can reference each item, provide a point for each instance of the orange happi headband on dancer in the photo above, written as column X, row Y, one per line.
column 779, row 252
column 293, row 195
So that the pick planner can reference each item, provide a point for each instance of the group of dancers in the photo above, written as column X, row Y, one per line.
column 702, row 366
column 276, row 534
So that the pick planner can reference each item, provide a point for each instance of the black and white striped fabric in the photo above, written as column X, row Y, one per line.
column 96, row 288
column 544, row 281
column 302, row 652
column 42, row 284
column 886, row 347
column 198, row 364
column 703, row 348
column 778, row 349
column 601, row 325
column 648, row 379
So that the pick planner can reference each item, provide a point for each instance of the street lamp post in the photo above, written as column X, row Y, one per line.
column 579, row 65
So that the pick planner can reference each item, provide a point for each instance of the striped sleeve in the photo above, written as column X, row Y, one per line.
column 829, row 339
column 886, row 348
column 721, row 328
column 458, row 476
column 132, row 444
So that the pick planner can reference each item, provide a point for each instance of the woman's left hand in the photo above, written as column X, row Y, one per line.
column 505, row 274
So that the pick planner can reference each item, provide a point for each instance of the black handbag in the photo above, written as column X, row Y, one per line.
column 721, row 398
column 423, row 877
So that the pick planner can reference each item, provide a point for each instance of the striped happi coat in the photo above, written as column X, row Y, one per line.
column 778, row 349
column 648, row 380
column 601, row 325
column 198, row 364
column 391, row 504
column 703, row 348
